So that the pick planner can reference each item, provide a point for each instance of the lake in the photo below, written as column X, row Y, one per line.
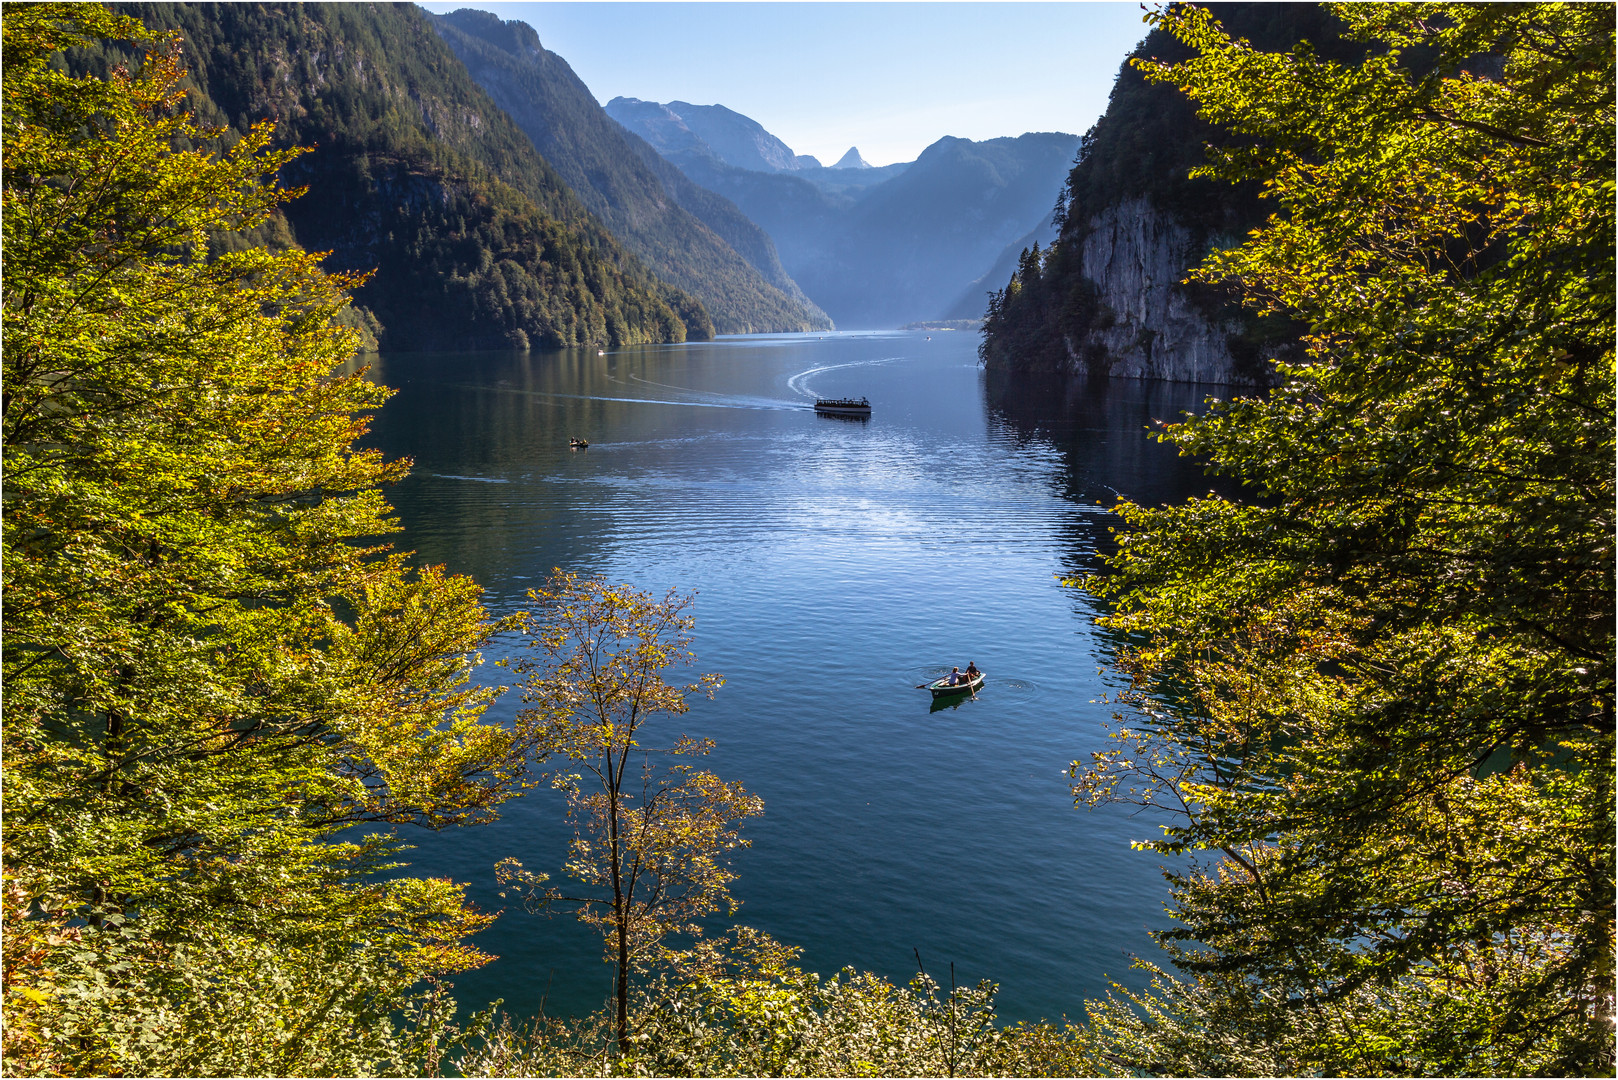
column 837, row 563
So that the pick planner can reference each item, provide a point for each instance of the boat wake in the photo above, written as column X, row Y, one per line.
column 722, row 403
column 799, row 383
column 725, row 401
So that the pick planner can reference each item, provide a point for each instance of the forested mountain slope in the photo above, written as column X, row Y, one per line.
column 593, row 155
column 1107, row 297
column 745, row 236
column 476, row 241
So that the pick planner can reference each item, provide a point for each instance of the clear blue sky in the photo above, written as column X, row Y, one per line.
column 890, row 78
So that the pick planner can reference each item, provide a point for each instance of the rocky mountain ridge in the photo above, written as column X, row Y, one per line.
column 679, row 127
column 852, row 160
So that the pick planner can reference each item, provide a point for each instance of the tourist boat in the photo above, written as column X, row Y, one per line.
column 942, row 688
column 577, row 444
column 843, row 406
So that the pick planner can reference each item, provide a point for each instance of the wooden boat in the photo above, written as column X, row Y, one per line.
column 942, row 688
column 843, row 406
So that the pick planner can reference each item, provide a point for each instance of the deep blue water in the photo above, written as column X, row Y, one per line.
column 837, row 564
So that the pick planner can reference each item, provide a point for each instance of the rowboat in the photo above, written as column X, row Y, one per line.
column 942, row 688
column 843, row 406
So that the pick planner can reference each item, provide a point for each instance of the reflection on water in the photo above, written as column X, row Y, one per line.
column 838, row 564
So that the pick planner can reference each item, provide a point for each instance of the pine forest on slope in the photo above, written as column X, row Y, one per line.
column 594, row 155
column 476, row 241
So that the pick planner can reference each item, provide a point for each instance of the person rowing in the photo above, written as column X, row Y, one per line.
column 957, row 677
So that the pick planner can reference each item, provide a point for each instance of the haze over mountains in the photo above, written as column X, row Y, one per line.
column 679, row 127
column 874, row 247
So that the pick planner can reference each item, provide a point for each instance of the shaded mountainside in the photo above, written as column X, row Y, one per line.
column 727, row 221
column 971, row 302
column 594, row 157
column 679, row 127
column 916, row 242
column 879, row 247
column 476, row 241
column 1106, row 298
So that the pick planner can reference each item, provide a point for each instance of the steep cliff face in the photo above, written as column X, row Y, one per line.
column 1146, row 324
column 1107, row 297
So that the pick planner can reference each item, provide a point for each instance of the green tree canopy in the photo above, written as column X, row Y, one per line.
column 1380, row 690
column 212, row 667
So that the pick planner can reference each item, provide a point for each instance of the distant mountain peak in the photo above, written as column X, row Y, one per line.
column 722, row 133
column 852, row 160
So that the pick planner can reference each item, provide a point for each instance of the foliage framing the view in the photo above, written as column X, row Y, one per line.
column 652, row 833
column 743, row 1007
column 1381, row 692
column 212, row 670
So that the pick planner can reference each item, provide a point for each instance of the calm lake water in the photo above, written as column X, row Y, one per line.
column 837, row 564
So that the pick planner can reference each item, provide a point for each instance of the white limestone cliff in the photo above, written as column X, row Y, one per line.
column 1146, row 325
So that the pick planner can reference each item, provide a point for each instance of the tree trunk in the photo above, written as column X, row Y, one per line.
column 623, row 984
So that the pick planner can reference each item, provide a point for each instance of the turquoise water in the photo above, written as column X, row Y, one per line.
column 837, row 564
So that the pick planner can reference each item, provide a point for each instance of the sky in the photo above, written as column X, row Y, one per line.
column 889, row 78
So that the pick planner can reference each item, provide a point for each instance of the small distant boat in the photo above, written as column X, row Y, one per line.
column 942, row 688
column 843, row 406
column 601, row 352
column 577, row 444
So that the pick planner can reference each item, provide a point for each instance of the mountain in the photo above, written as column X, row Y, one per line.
column 666, row 128
column 726, row 220
column 730, row 137
column 1107, row 298
column 900, row 243
column 594, row 156
column 874, row 247
column 476, row 241
column 907, row 248
column 971, row 303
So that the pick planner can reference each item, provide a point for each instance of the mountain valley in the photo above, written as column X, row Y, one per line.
column 875, row 246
